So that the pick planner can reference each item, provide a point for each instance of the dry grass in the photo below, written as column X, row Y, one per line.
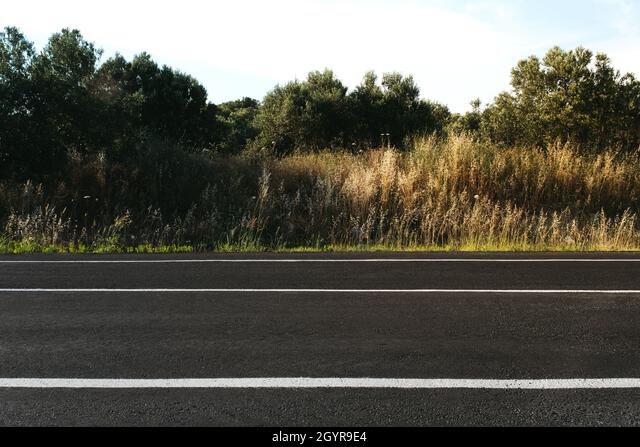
column 463, row 195
column 456, row 194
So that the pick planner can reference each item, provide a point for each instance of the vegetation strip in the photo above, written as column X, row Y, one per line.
column 124, row 155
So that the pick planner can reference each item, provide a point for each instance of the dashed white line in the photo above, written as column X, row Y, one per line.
column 317, row 383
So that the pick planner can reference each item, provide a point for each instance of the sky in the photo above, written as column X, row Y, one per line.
column 456, row 50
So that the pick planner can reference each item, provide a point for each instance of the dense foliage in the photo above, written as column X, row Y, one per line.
column 568, row 96
column 319, row 113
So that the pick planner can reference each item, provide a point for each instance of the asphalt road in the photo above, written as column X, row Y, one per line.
column 343, row 328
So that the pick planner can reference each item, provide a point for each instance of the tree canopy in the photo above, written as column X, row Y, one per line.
column 567, row 96
column 321, row 113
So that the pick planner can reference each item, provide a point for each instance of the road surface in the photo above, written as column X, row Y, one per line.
column 320, row 340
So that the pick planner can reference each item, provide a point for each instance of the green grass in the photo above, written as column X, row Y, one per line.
column 28, row 247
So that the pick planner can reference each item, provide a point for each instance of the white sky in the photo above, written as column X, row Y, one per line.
column 456, row 50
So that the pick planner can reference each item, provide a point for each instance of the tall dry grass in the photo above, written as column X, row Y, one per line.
column 452, row 194
column 459, row 193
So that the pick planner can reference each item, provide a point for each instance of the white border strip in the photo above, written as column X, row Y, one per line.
column 321, row 261
column 336, row 291
column 306, row 383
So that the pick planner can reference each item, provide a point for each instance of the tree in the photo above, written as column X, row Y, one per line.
column 307, row 115
column 164, row 102
column 470, row 122
column 45, row 106
column 325, row 113
column 402, row 109
column 16, row 103
column 505, row 122
column 237, row 121
column 568, row 96
column 394, row 107
column 61, row 76
column 366, row 110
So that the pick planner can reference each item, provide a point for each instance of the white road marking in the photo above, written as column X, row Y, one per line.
column 318, row 261
column 300, row 383
column 336, row 291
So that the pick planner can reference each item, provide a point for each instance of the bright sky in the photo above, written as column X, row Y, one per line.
column 457, row 50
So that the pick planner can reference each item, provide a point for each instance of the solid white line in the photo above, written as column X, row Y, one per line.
column 333, row 291
column 300, row 383
column 320, row 261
